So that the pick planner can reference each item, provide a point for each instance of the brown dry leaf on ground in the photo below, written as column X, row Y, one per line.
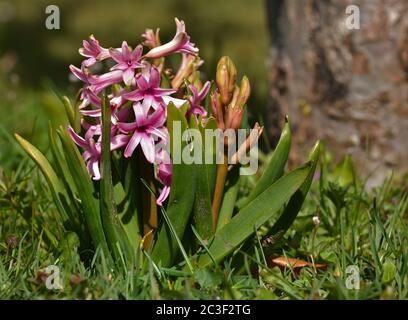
column 285, row 262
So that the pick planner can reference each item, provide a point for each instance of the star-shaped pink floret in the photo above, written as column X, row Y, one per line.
column 147, row 127
column 93, row 149
column 93, row 51
column 127, row 61
column 148, row 89
column 197, row 98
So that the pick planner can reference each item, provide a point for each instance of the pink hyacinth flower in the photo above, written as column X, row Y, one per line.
column 127, row 61
column 164, row 174
column 149, row 89
column 96, row 82
column 92, row 149
column 180, row 43
column 93, row 51
column 102, row 81
column 88, row 96
column 144, row 130
column 196, row 98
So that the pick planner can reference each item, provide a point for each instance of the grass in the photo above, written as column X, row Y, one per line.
column 357, row 228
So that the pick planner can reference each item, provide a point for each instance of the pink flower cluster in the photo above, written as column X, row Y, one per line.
column 138, row 103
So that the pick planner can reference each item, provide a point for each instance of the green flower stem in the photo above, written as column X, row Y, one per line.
column 222, row 171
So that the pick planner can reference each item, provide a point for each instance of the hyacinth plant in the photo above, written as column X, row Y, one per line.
column 117, row 176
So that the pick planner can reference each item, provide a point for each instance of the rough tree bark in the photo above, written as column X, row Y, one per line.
column 347, row 87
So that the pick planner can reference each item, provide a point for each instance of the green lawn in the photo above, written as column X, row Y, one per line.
column 365, row 230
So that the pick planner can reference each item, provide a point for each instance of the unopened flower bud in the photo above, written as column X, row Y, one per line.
column 233, row 114
column 225, row 77
column 248, row 144
column 244, row 92
column 152, row 39
column 189, row 63
column 217, row 110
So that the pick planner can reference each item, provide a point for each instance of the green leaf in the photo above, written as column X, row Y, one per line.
column 202, row 213
column 207, row 278
column 55, row 185
column 276, row 165
column 181, row 195
column 86, row 191
column 72, row 114
column 128, row 208
column 344, row 174
column 296, row 201
column 116, row 237
column 389, row 271
column 73, row 209
column 255, row 214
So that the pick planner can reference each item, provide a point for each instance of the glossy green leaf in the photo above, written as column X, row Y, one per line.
column 116, row 237
column 202, row 212
column 72, row 208
column 255, row 214
column 181, row 196
column 344, row 174
column 56, row 187
column 276, row 165
column 296, row 201
column 86, row 191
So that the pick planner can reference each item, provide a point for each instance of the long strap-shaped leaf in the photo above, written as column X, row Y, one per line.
column 202, row 215
column 181, row 196
column 276, row 165
column 115, row 234
column 296, row 201
column 86, row 192
column 255, row 214
column 55, row 185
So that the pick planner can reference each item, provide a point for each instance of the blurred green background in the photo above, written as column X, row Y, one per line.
column 34, row 61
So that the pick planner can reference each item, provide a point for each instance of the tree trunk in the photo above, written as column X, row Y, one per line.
column 346, row 87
